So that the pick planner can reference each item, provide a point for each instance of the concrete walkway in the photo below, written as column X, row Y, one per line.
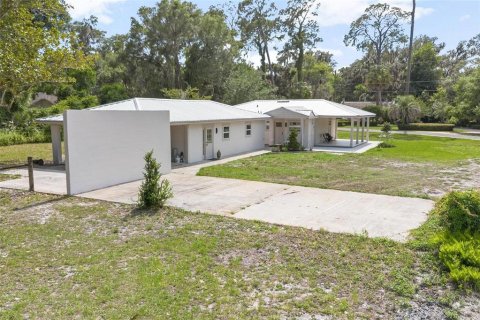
column 441, row 134
column 332, row 210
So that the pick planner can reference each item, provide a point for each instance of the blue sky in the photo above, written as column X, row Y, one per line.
column 449, row 20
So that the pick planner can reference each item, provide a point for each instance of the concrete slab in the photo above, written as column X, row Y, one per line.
column 335, row 211
column 46, row 179
column 364, row 147
column 342, row 211
column 204, row 194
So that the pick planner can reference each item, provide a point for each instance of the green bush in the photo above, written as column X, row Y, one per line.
column 293, row 144
column 459, row 211
column 459, row 241
column 460, row 253
column 153, row 192
column 11, row 137
column 427, row 126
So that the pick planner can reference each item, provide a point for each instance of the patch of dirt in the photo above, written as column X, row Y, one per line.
column 463, row 177
column 249, row 257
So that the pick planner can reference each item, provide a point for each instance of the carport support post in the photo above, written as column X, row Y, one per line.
column 368, row 129
column 363, row 129
column 358, row 128
column 55, row 130
column 351, row 132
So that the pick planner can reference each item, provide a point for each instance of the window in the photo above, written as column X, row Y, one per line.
column 209, row 137
column 226, row 132
column 278, row 124
column 295, row 124
column 248, row 129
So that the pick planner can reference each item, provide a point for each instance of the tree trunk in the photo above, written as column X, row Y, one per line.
column 410, row 48
column 378, row 100
column 299, row 63
column 178, row 71
column 272, row 77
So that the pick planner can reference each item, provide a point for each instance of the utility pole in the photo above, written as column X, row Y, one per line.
column 410, row 48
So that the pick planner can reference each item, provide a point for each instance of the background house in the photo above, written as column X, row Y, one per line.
column 314, row 119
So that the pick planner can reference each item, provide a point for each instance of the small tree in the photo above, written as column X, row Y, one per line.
column 153, row 192
column 293, row 144
column 386, row 135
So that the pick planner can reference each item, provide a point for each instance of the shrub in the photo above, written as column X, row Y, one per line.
column 293, row 144
column 459, row 241
column 153, row 192
column 459, row 211
column 427, row 126
column 461, row 255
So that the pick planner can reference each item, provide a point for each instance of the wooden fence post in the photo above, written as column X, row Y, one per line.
column 30, row 174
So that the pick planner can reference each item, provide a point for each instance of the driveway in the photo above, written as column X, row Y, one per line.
column 332, row 210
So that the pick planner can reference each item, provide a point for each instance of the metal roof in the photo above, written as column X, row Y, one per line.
column 181, row 111
column 319, row 108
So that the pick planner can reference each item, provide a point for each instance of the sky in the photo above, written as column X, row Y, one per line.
column 450, row 20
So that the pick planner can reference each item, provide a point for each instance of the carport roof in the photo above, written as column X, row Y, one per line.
column 181, row 111
column 316, row 107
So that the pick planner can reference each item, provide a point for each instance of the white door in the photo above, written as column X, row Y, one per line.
column 208, row 143
column 279, row 139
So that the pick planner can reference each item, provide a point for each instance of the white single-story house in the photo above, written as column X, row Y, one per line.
column 316, row 121
column 198, row 128
column 105, row 145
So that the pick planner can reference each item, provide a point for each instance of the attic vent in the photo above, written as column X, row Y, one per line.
column 283, row 101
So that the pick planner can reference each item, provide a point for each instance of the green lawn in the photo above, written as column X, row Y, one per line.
column 17, row 154
column 65, row 258
column 418, row 166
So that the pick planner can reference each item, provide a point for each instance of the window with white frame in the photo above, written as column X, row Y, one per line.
column 226, row 132
column 248, row 129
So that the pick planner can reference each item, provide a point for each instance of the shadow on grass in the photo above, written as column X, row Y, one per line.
column 35, row 204
column 144, row 212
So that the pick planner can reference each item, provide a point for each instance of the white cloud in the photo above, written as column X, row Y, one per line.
column 464, row 17
column 99, row 8
column 337, row 12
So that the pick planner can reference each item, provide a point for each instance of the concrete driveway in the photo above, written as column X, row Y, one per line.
column 332, row 210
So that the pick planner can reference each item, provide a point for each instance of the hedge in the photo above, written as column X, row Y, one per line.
column 427, row 126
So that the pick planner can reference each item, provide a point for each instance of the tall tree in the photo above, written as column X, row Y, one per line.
column 88, row 35
column 378, row 29
column 298, row 22
column 410, row 48
column 35, row 47
column 258, row 24
column 210, row 59
column 169, row 28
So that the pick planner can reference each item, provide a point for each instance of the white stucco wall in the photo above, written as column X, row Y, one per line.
column 195, row 143
column 239, row 142
column 105, row 148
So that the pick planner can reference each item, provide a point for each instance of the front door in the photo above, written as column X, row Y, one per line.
column 279, row 139
column 208, row 143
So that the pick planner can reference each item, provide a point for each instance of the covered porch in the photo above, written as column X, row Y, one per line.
column 359, row 134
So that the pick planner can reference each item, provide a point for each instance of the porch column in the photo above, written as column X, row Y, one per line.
column 302, row 129
column 363, row 129
column 351, row 132
column 358, row 128
column 368, row 129
column 56, row 130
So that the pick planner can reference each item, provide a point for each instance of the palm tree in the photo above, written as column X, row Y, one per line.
column 406, row 109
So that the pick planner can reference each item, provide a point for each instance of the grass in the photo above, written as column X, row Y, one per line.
column 418, row 166
column 17, row 154
column 74, row 258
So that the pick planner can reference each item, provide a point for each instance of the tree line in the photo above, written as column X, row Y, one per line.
column 176, row 50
